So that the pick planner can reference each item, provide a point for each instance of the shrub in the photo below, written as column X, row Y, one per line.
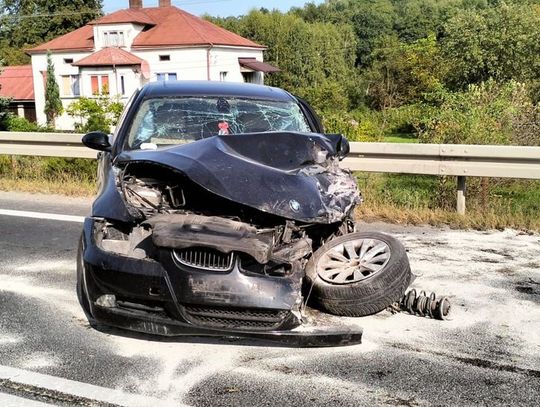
column 487, row 113
column 95, row 114
column 16, row 123
column 359, row 128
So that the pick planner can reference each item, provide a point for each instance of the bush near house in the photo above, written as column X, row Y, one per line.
column 16, row 123
column 96, row 114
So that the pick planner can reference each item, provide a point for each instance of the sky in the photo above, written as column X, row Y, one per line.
column 220, row 8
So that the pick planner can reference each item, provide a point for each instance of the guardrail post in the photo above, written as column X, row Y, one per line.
column 461, row 189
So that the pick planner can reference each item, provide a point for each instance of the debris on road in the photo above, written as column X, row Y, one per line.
column 424, row 305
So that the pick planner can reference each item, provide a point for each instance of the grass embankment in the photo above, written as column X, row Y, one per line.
column 65, row 176
column 407, row 199
column 491, row 203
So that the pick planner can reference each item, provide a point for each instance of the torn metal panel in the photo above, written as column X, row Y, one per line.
column 180, row 231
column 266, row 171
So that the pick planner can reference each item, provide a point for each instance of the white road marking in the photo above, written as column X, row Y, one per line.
column 8, row 400
column 79, row 389
column 41, row 215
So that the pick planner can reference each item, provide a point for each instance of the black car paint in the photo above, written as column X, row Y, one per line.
column 216, row 164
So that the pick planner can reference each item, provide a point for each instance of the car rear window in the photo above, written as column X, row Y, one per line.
column 167, row 121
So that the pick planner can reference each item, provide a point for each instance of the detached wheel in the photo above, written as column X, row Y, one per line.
column 358, row 274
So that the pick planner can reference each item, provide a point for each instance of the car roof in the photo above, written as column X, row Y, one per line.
column 209, row 88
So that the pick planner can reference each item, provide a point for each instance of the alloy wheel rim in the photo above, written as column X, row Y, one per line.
column 353, row 261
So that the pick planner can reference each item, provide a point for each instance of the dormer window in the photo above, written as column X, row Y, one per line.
column 113, row 39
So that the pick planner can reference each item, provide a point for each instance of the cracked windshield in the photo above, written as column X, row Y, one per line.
column 183, row 120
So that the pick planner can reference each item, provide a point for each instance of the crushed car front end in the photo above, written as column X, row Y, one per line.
column 188, row 261
column 212, row 236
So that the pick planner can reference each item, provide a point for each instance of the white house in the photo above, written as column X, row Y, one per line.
column 121, row 51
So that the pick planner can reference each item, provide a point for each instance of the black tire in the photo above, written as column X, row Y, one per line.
column 365, row 297
column 81, row 286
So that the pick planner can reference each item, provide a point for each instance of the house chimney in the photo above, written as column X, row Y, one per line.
column 135, row 3
column 164, row 3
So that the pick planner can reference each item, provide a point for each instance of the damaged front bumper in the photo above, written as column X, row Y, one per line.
column 141, row 321
column 171, row 299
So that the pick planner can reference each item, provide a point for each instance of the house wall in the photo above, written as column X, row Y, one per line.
column 225, row 59
column 192, row 63
column 39, row 67
column 188, row 63
column 23, row 108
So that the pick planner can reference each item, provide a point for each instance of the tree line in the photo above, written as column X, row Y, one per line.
column 442, row 70
column 439, row 70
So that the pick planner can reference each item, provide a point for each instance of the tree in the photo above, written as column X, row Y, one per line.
column 402, row 73
column 24, row 23
column 53, row 104
column 500, row 42
column 316, row 59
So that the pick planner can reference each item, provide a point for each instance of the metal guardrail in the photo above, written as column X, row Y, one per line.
column 430, row 159
column 44, row 144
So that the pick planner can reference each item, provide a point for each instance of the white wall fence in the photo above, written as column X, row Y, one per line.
column 429, row 159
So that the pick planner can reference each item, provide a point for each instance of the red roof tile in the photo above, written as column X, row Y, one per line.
column 176, row 27
column 125, row 16
column 166, row 27
column 17, row 82
column 80, row 39
column 109, row 57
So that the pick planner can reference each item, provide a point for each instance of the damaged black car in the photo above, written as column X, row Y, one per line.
column 222, row 211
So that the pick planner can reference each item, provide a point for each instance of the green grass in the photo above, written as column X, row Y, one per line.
column 491, row 203
column 400, row 138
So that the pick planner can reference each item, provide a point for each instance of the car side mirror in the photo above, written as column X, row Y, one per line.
column 97, row 140
column 341, row 145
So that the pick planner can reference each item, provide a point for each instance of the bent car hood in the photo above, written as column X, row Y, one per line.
column 292, row 175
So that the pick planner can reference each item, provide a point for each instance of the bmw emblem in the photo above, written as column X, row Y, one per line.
column 295, row 205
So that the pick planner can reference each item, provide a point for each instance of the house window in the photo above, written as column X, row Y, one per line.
column 164, row 57
column 170, row 76
column 113, row 38
column 123, row 84
column 249, row 77
column 223, row 76
column 71, row 85
column 68, row 60
column 100, row 84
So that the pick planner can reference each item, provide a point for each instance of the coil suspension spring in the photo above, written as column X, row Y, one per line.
column 425, row 305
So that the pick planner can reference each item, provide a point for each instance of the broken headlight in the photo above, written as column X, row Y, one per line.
column 141, row 194
column 151, row 194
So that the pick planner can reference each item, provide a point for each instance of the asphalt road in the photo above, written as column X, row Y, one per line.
column 488, row 354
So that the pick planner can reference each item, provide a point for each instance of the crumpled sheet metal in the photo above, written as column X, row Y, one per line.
column 266, row 171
